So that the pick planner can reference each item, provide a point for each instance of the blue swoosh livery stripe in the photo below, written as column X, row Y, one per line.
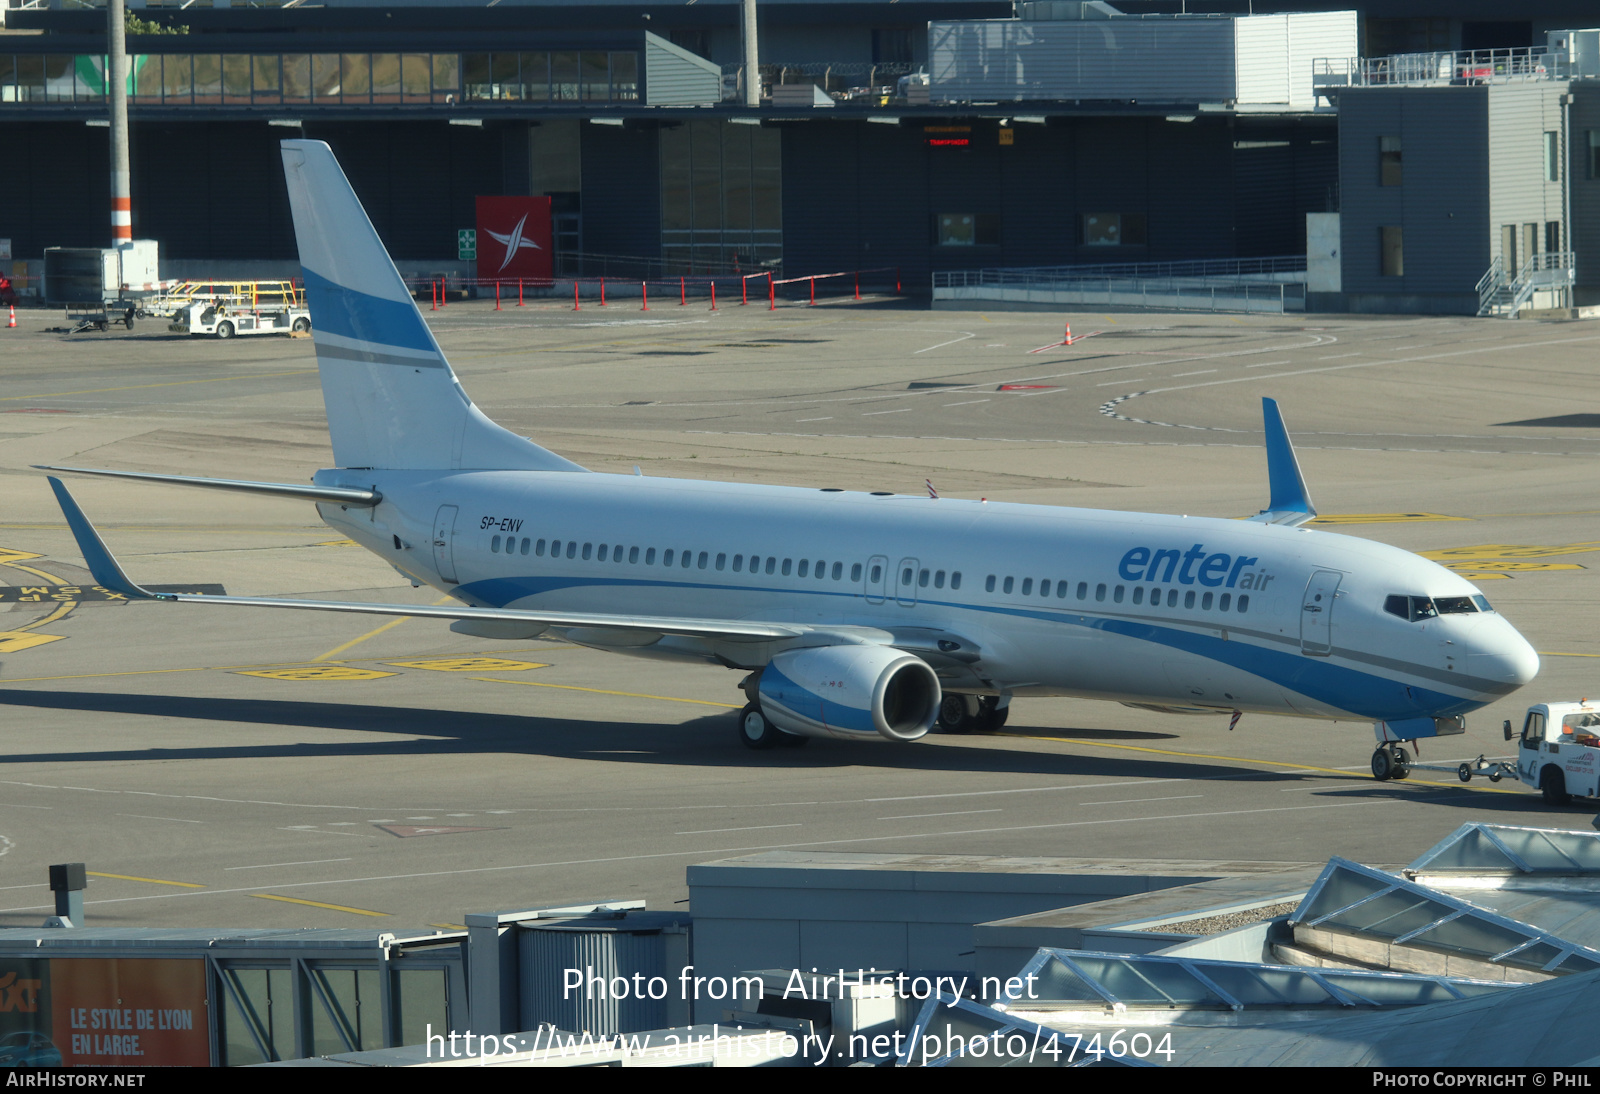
column 352, row 314
column 1338, row 686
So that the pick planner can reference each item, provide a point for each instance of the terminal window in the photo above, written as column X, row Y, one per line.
column 1113, row 230
column 1594, row 152
column 1391, row 253
column 967, row 230
column 1390, row 171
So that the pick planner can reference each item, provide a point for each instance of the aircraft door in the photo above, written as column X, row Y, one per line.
column 1528, row 752
column 905, row 583
column 877, row 573
column 444, row 534
column 1316, row 613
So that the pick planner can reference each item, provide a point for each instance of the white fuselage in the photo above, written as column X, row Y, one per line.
column 1180, row 612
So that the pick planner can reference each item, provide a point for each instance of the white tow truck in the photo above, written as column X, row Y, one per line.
column 228, row 320
column 1558, row 750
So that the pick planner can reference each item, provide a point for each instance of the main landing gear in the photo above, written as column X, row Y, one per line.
column 758, row 733
column 1390, row 762
column 971, row 714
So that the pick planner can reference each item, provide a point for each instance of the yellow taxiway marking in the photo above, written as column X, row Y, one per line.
column 17, row 641
column 373, row 633
column 605, row 691
column 149, row 880
column 470, row 664
column 1379, row 518
column 318, row 904
column 137, row 387
column 1477, row 575
column 449, row 926
column 200, row 668
column 321, row 672
column 1512, row 567
column 8, row 555
column 337, row 543
column 1277, row 765
column 1544, row 653
column 1509, row 551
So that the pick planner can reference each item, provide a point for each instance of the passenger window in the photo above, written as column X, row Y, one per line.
column 1027, row 586
column 603, row 553
column 1222, row 605
column 1205, row 602
column 922, row 579
column 616, row 553
column 494, row 545
column 988, row 585
column 786, row 565
column 538, row 548
column 703, row 558
column 805, row 566
column 1061, row 589
column 820, row 569
column 1007, row 586
column 667, row 556
column 1244, row 602
column 905, row 577
column 1188, row 599
column 650, row 557
column 855, row 572
column 572, row 549
column 771, row 562
column 938, row 579
column 555, row 548
column 722, row 560
column 955, row 580
column 838, row 570
column 588, row 550
column 1116, row 595
column 525, row 544
column 1083, row 590
column 1044, row 587
column 1172, row 598
column 633, row 555
column 1099, row 592
column 877, row 574
column 738, row 564
column 1138, row 594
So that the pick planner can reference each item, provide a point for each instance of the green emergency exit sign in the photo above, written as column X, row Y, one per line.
column 467, row 245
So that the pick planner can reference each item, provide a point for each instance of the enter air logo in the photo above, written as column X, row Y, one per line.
column 1213, row 570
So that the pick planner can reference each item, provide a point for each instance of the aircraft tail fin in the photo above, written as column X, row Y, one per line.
column 1291, row 501
column 392, row 399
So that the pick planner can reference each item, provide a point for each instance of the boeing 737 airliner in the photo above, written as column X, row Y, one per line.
column 849, row 615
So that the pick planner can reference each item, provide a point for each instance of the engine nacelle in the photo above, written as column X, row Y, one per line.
column 850, row 692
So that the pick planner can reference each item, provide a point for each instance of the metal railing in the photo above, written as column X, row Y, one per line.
column 1548, row 271
column 1273, row 267
column 861, row 82
column 1479, row 66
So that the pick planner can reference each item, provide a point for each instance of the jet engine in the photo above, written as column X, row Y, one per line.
column 850, row 692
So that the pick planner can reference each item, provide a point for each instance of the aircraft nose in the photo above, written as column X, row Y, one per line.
column 1510, row 659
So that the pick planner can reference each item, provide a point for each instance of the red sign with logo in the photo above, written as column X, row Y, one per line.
column 514, row 238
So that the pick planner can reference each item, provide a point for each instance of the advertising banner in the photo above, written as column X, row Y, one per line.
column 103, row 1011
column 514, row 238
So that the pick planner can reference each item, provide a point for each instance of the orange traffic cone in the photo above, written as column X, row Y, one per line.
column 11, row 325
column 1067, row 339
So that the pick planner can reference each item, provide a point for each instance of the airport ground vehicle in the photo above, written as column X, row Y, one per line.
column 1558, row 750
column 223, row 321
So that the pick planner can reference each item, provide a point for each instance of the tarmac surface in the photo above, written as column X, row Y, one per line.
column 212, row 765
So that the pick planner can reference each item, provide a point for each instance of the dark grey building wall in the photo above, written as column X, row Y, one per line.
column 1585, row 191
column 621, row 190
column 1441, row 205
column 55, row 187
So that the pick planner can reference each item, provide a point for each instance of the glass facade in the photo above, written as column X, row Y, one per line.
column 721, row 195
column 271, row 79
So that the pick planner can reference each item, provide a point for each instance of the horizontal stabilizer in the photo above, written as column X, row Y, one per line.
column 103, row 565
column 1291, row 502
column 341, row 495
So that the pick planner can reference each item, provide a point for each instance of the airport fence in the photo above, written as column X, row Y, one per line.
column 716, row 291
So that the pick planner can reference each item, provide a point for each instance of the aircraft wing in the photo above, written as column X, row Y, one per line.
column 1291, row 501
column 108, row 573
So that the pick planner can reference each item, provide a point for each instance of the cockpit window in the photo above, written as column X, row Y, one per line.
column 1482, row 602
column 1411, row 608
column 1454, row 605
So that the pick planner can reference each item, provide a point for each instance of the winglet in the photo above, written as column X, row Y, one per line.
column 101, row 562
column 1291, row 502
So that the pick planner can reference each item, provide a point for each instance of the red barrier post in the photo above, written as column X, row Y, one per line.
column 858, row 284
column 713, row 295
column 683, row 293
column 744, row 291
column 497, row 296
column 644, row 290
column 813, row 292
column 434, row 287
column 602, row 292
column 519, row 292
column 575, row 305
column 897, row 280
column 772, row 295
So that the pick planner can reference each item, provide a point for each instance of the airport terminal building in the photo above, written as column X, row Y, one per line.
column 936, row 135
